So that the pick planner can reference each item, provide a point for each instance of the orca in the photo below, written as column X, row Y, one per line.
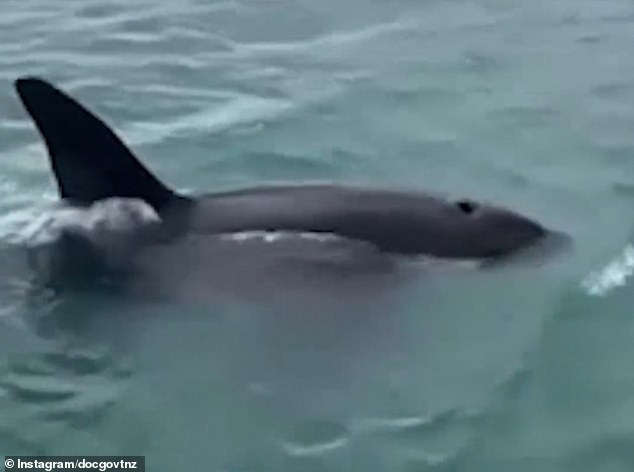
column 91, row 163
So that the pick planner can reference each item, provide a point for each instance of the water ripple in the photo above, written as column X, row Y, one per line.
column 240, row 111
column 315, row 438
column 488, row 97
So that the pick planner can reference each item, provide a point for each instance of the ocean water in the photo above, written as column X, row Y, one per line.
column 525, row 103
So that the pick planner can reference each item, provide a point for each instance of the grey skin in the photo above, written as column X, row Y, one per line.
column 91, row 163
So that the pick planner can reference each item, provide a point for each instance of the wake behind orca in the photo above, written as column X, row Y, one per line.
column 91, row 164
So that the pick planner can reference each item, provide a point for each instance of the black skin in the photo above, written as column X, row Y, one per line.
column 91, row 163
column 394, row 222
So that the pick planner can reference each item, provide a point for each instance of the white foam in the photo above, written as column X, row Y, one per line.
column 274, row 236
column 301, row 450
column 615, row 274
column 111, row 215
column 421, row 261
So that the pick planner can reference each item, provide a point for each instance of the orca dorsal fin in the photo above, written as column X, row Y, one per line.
column 88, row 159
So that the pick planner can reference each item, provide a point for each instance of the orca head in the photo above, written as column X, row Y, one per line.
column 488, row 231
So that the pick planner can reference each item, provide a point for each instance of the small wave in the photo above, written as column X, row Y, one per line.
column 396, row 424
column 335, row 39
column 16, row 225
column 241, row 110
column 316, row 438
column 75, row 388
column 302, row 450
column 613, row 275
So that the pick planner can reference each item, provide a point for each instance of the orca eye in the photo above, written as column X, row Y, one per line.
column 466, row 206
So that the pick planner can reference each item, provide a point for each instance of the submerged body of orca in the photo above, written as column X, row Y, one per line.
column 91, row 164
